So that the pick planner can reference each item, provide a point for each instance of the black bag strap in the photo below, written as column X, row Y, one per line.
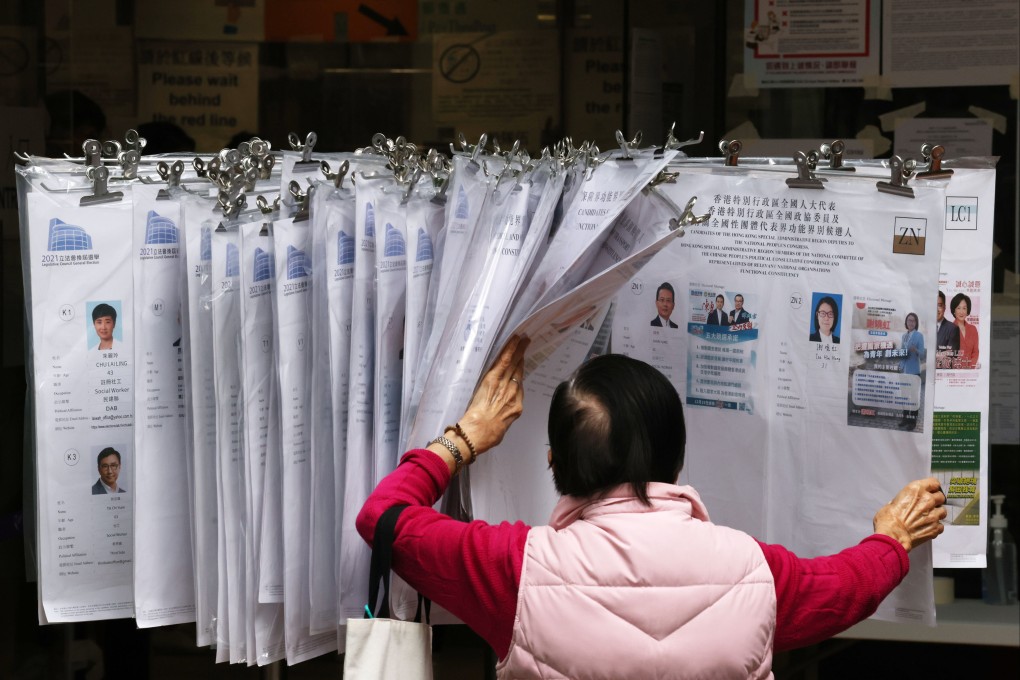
column 428, row 610
column 382, row 562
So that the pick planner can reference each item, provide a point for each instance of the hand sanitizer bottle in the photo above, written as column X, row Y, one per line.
column 1000, row 575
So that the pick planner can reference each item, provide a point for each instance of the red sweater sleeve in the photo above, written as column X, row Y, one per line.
column 471, row 569
column 819, row 597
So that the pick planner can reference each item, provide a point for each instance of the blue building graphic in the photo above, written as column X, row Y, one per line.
column 395, row 246
column 233, row 260
column 159, row 230
column 205, row 247
column 424, row 252
column 265, row 266
column 64, row 236
column 369, row 221
column 462, row 205
column 344, row 248
column 299, row 264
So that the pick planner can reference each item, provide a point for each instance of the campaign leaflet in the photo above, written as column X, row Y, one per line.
column 723, row 353
column 79, row 265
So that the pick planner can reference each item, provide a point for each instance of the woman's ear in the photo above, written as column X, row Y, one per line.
column 548, row 457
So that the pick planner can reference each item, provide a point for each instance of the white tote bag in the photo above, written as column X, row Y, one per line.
column 378, row 647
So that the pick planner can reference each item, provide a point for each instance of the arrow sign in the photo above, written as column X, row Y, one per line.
column 392, row 26
column 353, row 21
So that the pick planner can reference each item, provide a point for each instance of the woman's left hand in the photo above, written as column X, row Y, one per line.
column 499, row 399
column 915, row 515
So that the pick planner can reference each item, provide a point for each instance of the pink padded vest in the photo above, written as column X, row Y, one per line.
column 616, row 589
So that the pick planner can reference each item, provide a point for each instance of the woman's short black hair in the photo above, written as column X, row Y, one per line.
column 959, row 297
column 103, row 309
column 616, row 421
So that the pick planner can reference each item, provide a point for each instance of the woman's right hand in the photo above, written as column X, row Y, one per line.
column 915, row 515
column 499, row 399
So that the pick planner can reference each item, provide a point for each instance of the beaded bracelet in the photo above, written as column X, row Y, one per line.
column 454, row 451
column 471, row 447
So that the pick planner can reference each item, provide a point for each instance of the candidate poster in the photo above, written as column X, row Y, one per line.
column 800, row 352
column 200, row 411
column 961, row 340
column 292, row 333
column 164, row 581
column 79, row 264
column 224, row 302
column 260, row 443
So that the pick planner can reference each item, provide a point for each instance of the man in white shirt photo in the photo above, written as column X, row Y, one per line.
column 739, row 315
column 718, row 316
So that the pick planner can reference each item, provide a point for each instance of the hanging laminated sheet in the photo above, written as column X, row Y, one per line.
column 260, row 435
column 78, row 268
column 226, row 316
column 261, row 380
column 355, row 555
column 601, row 197
column 338, row 208
column 467, row 196
column 391, row 295
column 322, row 546
column 475, row 313
column 512, row 230
column 200, row 410
column 425, row 226
column 645, row 220
column 516, row 250
column 960, row 436
column 791, row 356
column 292, row 328
column 513, row 481
column 468, row 193
column 960, row 423
column 164, row 580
